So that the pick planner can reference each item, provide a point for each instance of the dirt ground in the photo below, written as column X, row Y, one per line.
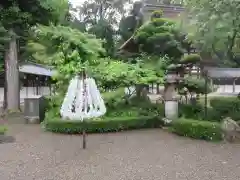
column 134, row 155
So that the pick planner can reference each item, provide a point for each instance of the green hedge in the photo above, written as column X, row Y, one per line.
column 205, row 130
column 3, row 129
column 219, row 107
column 226, row 107
column 102, row 125
column 197, row 112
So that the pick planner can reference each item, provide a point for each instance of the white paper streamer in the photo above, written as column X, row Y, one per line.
column 87, row 104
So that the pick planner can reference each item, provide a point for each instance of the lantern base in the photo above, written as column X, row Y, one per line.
column 171, row 109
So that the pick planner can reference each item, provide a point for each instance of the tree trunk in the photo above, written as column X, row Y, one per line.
column 5, row 84
column 158, row 90
column 12, row 77
column 138, row 91
column 141, row 91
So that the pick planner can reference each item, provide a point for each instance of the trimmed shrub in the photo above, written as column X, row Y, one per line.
column 102, row 125
column 191, row 111
column 226, row 107
column 191, row 59
column 3, row 129
column 205, row 130
column 197, row 112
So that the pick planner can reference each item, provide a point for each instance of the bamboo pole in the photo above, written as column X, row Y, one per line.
column 84, row 140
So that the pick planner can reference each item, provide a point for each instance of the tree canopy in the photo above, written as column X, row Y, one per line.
column 101, row 18
column 215, row 26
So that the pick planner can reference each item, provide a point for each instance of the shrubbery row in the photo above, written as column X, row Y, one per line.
column 219, row 107
column 205, row 130
column 104, row 125
column 191, row 124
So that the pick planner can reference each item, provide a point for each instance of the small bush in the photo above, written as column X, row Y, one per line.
column 226, row 107
column 156, row 14
column 191, row 111
column 102, row 125
column 205, row 130
column 192, row 59
column 114, row 99
column 197, row 112
column 3, row 129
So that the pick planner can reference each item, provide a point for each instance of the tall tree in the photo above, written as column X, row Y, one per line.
column 101, row 17
column 216, row 28
column 4, row 39
column 17, row 16
column 161, row 37
column 133, row 21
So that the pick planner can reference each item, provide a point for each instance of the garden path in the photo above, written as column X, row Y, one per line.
column 134, row 155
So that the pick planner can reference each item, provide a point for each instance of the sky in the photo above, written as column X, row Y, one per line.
column 79, row 2
column 76, row 2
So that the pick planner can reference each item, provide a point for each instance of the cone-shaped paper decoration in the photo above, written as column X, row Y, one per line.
column 83, row 100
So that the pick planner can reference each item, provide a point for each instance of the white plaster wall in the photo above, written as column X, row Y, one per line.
column 220, row 89
column 25, row 92
column 130, row 90
column 228, row 89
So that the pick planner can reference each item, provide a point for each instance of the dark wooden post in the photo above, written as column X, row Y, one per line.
column 37, row 85
column 206, row 92
column 84, row 143
column 234, row 84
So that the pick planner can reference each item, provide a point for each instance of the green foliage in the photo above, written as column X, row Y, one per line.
column 117, row 103
column 220, row 107
column 156, row 15
column 197, row 112
column 113, row 74
column 103, row 30
column 19, row 14
column 104, row 125
column 191, row 59
column 191, row 111
column 124, row 106
column 3, row 129
column 226, row 107
column 68, row 50
column 121, row 115
column 157, row 37
column 195, row 85
column 215, row 27
column 4, row 39
column 100, row 17
column 128, row 25
column 162, row 37
column 197, row 129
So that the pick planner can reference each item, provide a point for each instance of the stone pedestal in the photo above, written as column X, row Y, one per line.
column 171, row 109
column 32, row 120
column 2, row 136
column 170, row 96
column 34, row 109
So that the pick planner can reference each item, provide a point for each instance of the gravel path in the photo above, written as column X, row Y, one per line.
column 135, row 155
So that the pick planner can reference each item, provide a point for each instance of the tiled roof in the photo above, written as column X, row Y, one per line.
column 223, row 72
column 172, row 8
column 37, row 69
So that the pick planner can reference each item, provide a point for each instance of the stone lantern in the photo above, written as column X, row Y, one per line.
column 170, row 95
